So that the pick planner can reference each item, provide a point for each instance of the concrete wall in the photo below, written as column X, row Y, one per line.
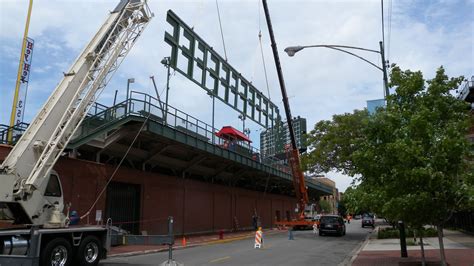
column 196, row 206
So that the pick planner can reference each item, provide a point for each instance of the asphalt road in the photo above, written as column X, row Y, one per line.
column 305, row 249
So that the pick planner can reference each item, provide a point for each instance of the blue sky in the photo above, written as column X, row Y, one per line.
column 320, row 82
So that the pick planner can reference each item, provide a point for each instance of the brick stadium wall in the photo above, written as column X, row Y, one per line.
column 197, row 207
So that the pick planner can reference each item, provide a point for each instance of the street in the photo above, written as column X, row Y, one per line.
column 305, row 249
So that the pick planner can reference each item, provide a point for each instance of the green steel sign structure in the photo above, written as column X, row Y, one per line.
column 196, row 60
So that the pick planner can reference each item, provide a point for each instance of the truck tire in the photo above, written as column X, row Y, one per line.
column 89, row 252
column 58, row 251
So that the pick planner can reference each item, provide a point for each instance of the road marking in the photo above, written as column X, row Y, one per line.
column 219, row 259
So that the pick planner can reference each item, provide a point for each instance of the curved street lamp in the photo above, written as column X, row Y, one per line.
column 292, row 50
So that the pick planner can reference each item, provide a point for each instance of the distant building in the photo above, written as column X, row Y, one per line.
column 332, row 199
column 273, row 140
column 372, row 105
column 466, row 93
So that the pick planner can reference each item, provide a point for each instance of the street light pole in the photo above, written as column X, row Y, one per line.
column 242, row 117
column 292, row 50
column 211, row 93
column 167, row 63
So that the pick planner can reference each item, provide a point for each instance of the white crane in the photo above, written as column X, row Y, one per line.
column 30, row 191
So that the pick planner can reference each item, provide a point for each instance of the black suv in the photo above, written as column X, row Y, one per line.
column 368, row 220
column 332, row 224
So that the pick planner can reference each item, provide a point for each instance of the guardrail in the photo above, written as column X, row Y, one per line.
column 145, row 105
column 127, row 239
column 17, row 131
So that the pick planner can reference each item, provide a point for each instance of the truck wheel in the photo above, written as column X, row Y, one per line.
column 89, row 252
column 57, row 252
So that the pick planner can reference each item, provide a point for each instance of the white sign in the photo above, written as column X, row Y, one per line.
column 98, row 215
column 24, row 78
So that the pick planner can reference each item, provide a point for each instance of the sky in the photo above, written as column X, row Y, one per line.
column 419, row 35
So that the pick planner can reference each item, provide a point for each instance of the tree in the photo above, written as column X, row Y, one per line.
column 411, row 158
column 342, row 209
column 331, row 144
column 415, row 151
column 325, row 206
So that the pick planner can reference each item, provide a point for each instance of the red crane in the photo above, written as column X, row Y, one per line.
column 292, row 150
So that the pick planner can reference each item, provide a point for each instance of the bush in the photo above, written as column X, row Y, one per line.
column 388, row 233
column 394, row 233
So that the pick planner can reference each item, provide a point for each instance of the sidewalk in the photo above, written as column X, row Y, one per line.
column 459, row 250
column 191, row 241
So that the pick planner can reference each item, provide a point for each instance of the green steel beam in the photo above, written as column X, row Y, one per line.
column 205, row 67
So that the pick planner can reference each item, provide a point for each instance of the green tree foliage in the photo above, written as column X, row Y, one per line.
column 325, row 206
column 415, row 150
column 342, row 209
column 412, row 158
column 331, row 144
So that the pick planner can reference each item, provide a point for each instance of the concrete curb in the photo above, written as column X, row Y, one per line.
column 203, row 243
column 355, row 252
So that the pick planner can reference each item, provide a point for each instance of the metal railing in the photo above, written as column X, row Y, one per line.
column 17, row 129
column 144, row 105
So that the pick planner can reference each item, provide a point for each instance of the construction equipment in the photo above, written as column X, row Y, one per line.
column 31, row 193
column 292, row 151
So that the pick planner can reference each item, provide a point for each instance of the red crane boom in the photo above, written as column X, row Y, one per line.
column 292, row 151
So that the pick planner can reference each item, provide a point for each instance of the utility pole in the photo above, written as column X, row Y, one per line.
column 384, row 70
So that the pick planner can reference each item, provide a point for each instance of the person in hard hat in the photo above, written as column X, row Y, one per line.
column 255, row 222
column 74, row 218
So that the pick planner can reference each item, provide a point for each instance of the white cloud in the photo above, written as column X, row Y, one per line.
column 320, row 82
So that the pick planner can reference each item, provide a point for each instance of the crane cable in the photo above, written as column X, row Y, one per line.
column 220, row 26
column 389, row 29
column 386, row 46
column 116, row 169
column 266, row 78
column 383, row 25
column 261, row 51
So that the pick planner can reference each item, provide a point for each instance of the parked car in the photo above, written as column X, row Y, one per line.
column 368, row 220
column 332, row 224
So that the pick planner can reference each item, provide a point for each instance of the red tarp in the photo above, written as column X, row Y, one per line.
column 231, row 133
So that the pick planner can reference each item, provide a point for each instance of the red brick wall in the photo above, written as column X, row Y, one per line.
column 196, row 206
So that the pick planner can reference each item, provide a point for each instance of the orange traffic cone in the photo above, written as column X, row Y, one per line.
column 183, row 241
